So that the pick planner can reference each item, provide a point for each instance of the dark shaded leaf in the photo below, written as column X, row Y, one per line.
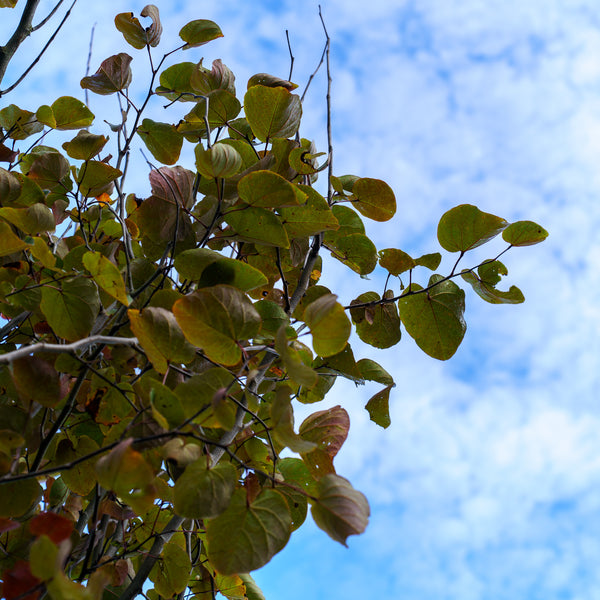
column 113, row 75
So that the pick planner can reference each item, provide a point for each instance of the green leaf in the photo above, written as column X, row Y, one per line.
column 282, row 422
column 216, row 319
column 171, row 572
column 70, row 307
column 137, row 36
column 63, row 588
column 113, row 75
column 340, row 510
column 372, row 371
column 273, row 317
column 70, row 113
column 374, row 199
column 465, row 227
column 429, row 261
column 201, row 492
column 253, row 592
column 396, row 261
column 162, row 139
column 199, row 32
column 524, row 233
column 434, row 319
column 85, row 145
column 161, row 337
column 377, row 325
column 95, row 177
column 17, row 497
column 9, row 242
column 268, row 190
column 19, row 124
column 310, row 218
column 329, row 325
column 106, row 275
column 36, row 379
column 223, row 107
column 272, row 112
column 209, row 268
column 379, row 408
column 123, row 469
column 356, row 251
column 260, row 225
column 297, row 371
column 484, row 284
column 43, row 558
column 37, row 218
column 248, row 534
column 175, row 82
column 222, row 160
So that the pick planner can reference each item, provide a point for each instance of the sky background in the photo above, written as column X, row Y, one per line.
column 487, row 483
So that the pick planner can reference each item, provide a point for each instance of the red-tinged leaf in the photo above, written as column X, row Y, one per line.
column 340, row 510
column 36, row 379
column 134, row 33
column 8, row 525
column 20, row 583
column 56, row 527
column 327, row 428
column 174, row 185
column 113, row 75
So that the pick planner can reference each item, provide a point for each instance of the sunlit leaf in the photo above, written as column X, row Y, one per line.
column 170, row 574
column 106, row 275
column 37, row 218
column 215, row 319
column 268, row 190
column 396, row 261
column 258, row 225
column 356, row 251
column 162, row 139
column 9, row 242
column 248, row 534
column 434, row 319
column 299, row 372
column 70, row 113
column 524, row 233
column 272, row 112
column 201, row 492
column 18, row 123
column 374, row 199
column 161, row 337
column 465, row 227
column 199, row 32
column 85, row 145
column 340, row 510
column 329, row 325
column 175, row 82
column 211, row 268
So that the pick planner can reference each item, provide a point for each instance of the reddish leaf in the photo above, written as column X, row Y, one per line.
column 328, row 428
column 20, row 583
column 56, row 527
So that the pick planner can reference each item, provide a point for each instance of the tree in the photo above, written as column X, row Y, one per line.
column 153, row 348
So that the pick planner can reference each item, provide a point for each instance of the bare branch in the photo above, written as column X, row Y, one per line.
column 37, row 58
column 59, row 348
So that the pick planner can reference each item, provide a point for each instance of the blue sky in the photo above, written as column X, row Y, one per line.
column 487, row 484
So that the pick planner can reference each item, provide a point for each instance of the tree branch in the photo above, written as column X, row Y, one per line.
column 59, row 348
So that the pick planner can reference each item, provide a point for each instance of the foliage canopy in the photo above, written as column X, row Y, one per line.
column 153, row 348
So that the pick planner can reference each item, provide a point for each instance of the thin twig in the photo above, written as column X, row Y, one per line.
column 89, row 60
column 47, row 17
column 37, row 58
column 287, row 37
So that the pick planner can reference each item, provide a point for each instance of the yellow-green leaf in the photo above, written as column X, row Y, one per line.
column 374, row 199
column 524, row 233
column 272, row 112
column 106, row 275
column 199, row 32
column 329, row 325
column 162, row 139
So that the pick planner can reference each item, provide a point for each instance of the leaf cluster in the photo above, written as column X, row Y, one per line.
column 153, row 348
